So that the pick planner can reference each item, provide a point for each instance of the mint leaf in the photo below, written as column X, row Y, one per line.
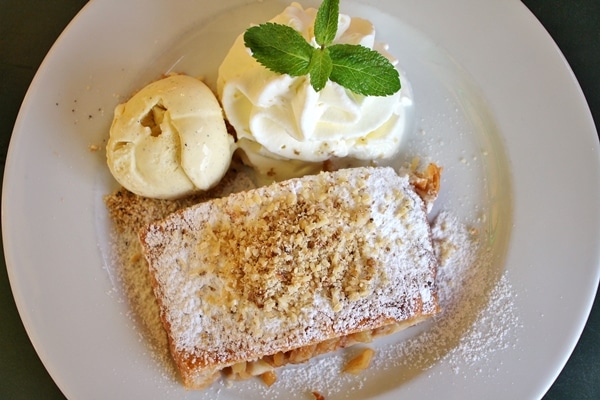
column 284, row 50
column 326, row 22
column 279, row 48
column 320, row 68
column 363, row 71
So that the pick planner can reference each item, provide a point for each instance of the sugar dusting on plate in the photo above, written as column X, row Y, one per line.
column 478, row 315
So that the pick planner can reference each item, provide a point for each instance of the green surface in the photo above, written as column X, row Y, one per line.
column 28, row 29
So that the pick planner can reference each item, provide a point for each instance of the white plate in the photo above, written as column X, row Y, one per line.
column 496, row 105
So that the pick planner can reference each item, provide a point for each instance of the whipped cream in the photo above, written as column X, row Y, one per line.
column 169, row 140
column 279, row 118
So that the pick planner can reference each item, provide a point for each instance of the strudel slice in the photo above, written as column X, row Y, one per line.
column 282, row 273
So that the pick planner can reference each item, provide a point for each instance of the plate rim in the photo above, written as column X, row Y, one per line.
column 13, row 274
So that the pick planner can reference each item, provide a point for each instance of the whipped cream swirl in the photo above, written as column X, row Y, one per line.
column 280, row 118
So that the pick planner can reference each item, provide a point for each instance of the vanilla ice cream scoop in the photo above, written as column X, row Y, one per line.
column 279, row 118
column 169, row 139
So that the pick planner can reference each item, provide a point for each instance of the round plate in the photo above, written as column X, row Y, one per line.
column 495, row 104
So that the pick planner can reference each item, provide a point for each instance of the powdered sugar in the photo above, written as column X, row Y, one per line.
column 479, row 316
column 129, row 213
column 478, row 319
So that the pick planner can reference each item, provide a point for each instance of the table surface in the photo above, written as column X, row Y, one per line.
column 28, row 28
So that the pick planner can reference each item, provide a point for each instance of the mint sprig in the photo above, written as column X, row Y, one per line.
column 282, row 49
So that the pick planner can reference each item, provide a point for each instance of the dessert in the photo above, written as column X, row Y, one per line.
column 285, row 272
column 169, row 140
column 287, row 129
column 246, row 281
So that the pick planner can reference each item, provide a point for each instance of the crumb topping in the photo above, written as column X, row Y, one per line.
column 290, row 251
